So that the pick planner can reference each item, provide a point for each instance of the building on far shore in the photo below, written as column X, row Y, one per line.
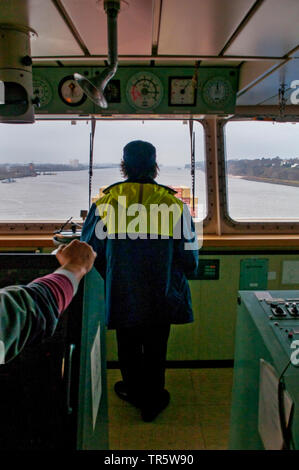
column 74, row 163
column 17, row 171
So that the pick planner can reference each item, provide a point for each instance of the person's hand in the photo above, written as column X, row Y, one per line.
column 78, row 257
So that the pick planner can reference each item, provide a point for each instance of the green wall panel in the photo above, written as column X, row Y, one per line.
column 212, row 335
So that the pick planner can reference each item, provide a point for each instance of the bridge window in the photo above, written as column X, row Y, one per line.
column 44, row 166
column 262, row 167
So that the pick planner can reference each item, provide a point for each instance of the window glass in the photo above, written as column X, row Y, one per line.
column 262, row 167
column 44, row 166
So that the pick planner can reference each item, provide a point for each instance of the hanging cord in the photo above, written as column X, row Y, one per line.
column 285, row 427
column 194, row 80
column 63, row 225
column 192, row 144
column 282, row 100
column 92, row 133
column 192, row 138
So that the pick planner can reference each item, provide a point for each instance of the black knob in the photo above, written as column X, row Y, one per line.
column 279, row 310
column 294, row 310
column 26, row 60
column 36, row 101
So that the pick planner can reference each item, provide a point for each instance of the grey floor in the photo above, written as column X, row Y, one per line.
column 196, row 418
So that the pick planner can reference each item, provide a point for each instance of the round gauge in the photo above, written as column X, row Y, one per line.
column 42, row 91
column 112, row 91
column 182, row 91
column 144, row 90
column 217, row 91
column 70, row 92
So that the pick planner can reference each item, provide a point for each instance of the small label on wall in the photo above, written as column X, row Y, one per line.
column 290, row 272
column 271, row 276
column 2, row 352
column 2, row 93
column 253, row 274
column 96, row 375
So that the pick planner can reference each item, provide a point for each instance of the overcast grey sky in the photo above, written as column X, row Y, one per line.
column 258, row 139
column 59, row 142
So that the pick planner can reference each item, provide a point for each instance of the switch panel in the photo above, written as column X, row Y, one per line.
column 283, row 314
column 208, row 270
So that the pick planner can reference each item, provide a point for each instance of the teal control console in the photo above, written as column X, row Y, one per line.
column 283, row 314
column 267, row 333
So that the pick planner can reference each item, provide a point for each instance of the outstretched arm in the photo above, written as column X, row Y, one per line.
column 31, row 312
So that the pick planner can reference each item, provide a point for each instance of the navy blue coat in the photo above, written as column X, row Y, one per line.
column 145, row 278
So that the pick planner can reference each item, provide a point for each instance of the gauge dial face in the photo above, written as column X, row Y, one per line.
column 182, row 91
column 217, row 91
column 70, row 92
column 144, row 91
column 112, row 91
column 42, row 90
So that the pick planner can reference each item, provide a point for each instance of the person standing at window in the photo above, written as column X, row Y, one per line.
column 31, row 312
column 146, row 244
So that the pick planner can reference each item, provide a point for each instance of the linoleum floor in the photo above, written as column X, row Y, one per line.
column 197, row 417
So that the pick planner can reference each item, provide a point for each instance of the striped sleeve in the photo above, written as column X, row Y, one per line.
column 30, row 313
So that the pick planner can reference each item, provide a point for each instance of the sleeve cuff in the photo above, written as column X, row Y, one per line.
column 70, row 276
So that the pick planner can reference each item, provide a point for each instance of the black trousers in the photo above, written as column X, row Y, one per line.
column 142, row 355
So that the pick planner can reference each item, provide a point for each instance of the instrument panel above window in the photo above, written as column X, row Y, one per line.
column 135, row 90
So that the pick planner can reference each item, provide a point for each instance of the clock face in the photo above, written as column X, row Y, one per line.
column 217, row 91
column 144, row 90
column 182, row 91
column 70, row 92
column 42, row 91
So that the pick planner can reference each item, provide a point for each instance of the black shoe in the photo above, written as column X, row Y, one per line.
column 122, row 392
column 150, row 412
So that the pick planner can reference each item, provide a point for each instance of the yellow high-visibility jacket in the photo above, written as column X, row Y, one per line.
column 146, row 244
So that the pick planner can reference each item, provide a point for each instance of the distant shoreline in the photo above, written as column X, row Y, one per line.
column 267, row 180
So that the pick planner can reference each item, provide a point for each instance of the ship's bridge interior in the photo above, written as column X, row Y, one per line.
column 215, row 85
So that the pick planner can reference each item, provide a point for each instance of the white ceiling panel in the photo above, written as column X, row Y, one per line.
column 134, row 26
column 268, row 88
column 252, row 71
column 54, row 37
column 199, row 27
column 272, row 31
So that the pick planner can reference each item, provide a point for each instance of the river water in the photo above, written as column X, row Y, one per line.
column 60, row 196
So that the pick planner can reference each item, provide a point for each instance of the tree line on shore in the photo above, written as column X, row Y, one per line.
column 272, row 168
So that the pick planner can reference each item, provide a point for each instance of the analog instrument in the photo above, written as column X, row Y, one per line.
column 112, row 91
column 41, row 91
column 70, row 92
column 217, row 91
column 182, row 91
column 144, row 90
